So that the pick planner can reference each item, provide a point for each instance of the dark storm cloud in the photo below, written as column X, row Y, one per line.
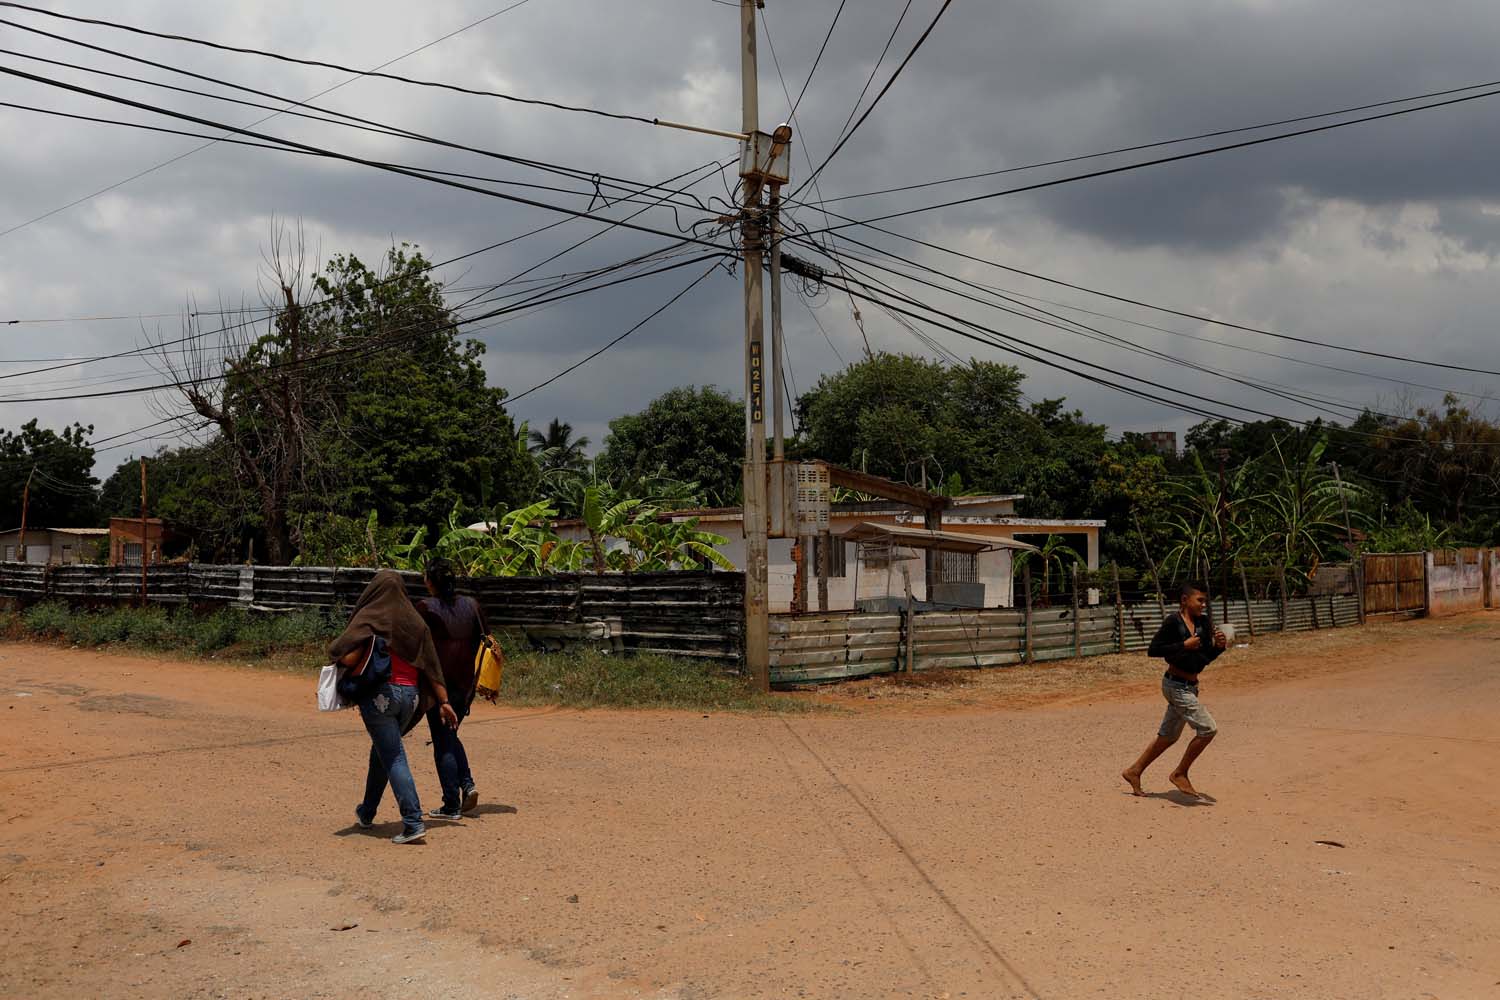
column 1380, row 234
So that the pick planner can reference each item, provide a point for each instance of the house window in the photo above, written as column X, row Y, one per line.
column 67, row 555
column 132, row 553
column 10, row 553
column 837, row 553
column 958, row 567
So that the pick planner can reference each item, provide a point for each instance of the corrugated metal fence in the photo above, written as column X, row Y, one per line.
column 843, row 645
column 687, row 614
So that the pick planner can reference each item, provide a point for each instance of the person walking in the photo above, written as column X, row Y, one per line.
column 388, row 636
column 1188, row 642
column 458, row 627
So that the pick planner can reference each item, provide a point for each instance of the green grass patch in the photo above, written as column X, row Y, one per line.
column 295, row 640
column 594, row 679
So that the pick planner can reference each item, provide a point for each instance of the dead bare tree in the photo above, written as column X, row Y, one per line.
column 254, row 375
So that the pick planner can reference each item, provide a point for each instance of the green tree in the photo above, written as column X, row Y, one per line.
column 687, row 434
column 356, row 394
column 557, row 450
column 63, row 486
column 194, row 491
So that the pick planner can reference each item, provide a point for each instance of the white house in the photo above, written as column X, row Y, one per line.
column 992, row 516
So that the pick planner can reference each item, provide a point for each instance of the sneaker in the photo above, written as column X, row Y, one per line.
column 406, row 836
column 471, row 799
column 448, row 814
column 359, row 818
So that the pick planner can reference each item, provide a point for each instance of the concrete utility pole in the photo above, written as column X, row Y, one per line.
column 25, row 503
column 757, row 585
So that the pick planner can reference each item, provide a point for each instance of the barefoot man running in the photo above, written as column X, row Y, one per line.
column 1188, row 642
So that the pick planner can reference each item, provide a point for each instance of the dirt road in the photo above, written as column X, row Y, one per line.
column 183, row 830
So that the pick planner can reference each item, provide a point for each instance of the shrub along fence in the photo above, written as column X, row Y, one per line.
column 695, row 614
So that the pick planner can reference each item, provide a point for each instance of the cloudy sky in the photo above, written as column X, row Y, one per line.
column 1382, row 236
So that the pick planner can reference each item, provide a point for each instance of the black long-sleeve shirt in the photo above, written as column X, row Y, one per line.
column 1174, row 632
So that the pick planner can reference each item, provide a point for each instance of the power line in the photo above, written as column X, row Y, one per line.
column 1166, row 142
column 883, row 90
column 333, row 298
column 327, row 116
column 1212, row 150
column 818, row 58
column 320, row 64
column 359, row 350
column 579, row 364
column 1143, row 304
column 1175, row 404
column 332, row 154
column 182, row 156
column 873, row 70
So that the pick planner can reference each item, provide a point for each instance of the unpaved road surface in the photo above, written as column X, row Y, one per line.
column 172, row 829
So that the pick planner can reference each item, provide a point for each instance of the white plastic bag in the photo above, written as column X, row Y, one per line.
column 329, row 699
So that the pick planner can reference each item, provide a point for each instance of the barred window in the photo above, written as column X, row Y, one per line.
column 837, row 561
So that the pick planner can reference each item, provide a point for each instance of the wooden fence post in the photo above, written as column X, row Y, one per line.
column 1119, row 611
column 1026, row 584
column 1249, row 608
column 1077, row 615
column 911, row 626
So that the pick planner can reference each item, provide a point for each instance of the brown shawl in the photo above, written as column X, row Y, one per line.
column 385, row 610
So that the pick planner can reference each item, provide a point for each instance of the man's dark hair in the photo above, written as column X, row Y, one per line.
column 444, row 580
column 1190, row 588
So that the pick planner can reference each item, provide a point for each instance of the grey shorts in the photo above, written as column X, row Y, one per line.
column 1184, row 708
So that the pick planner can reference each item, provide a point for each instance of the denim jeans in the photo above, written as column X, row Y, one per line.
column 385, row 716
column 452, row 762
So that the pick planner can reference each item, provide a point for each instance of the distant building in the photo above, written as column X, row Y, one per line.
column 54, row 546
column 852, row 580
column 125, row 540
column 1162, row 442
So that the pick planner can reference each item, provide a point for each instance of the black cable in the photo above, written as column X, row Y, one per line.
column 327, row 116
column 328, row 65
column 819, row 57
column 1164, row 142
column 883, row 90
column 71, row 363
column 327, row 90
column 141, row 126
column 577, row 365
column 346, row 157
column 1105, row 382
column 362, row 349
column 1212, row 150
column 1143, row 304
column 1100, row 336
column 873, row 70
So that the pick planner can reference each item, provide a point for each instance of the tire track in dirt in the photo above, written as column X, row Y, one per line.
column 861, row 798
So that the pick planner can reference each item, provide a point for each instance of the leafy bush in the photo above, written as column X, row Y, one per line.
column 47, row 620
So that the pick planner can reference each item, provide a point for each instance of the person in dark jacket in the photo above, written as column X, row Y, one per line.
column 385, row 620
column 1188, row 642
column 457, row 625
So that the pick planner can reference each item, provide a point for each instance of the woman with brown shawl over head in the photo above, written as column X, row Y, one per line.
column 385, row 622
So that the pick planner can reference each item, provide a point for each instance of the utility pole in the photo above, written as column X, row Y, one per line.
column 757, row 586
column 778, row 393
column 25, row 503
column 145, row 546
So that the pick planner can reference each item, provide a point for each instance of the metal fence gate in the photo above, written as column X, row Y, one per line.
column 1395, row 583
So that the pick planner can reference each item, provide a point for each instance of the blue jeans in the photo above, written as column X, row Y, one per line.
column 452, row 762
column 385, row 716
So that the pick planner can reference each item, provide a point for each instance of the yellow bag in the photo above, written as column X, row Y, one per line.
column 489, row 664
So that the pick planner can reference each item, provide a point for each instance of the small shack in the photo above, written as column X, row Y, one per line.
column 960, row 573
column 127, row 537
column 52, row 546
